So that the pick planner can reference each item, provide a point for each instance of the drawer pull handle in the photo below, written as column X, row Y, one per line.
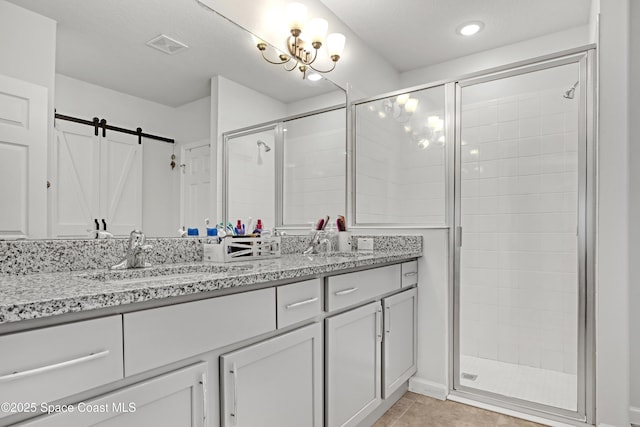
column 346, row 291
column 298, row 304
column 411, row 273
column 234, row 377
column 42, row 369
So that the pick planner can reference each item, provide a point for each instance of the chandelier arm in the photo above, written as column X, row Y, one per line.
column 322, row 71
column 292, row 68
column 274, row 62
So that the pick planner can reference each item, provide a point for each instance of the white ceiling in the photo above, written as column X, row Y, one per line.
column 103, row 42
column 413, row 34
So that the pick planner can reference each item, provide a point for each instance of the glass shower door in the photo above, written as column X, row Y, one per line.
column 520, row 257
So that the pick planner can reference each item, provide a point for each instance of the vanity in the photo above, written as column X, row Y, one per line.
column 318, row 340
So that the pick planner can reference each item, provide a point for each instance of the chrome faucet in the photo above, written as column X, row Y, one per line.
column 136, row 252
column 318, row 239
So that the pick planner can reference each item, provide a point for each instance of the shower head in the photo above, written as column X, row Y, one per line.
column 264, row 144
column 571, row 92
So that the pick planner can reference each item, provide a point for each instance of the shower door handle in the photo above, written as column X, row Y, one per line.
column 459, row 236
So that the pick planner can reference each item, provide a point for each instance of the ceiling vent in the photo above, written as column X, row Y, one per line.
column 167, row 44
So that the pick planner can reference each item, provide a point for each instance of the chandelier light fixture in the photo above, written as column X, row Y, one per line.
column 304, row 52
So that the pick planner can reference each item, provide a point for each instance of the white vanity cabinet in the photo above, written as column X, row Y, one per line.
column 47, row 364
column 176, row 399
column 277, row 382
column 399, row 339
column 353, row 363
column 371, row 349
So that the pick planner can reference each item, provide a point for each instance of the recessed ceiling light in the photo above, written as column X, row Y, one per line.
column 314, row 77
column 470, row 28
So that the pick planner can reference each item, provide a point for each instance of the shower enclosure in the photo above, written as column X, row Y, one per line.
column 523, row 226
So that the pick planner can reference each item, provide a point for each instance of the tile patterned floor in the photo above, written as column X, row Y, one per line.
column 523, row 382
column 415, row 410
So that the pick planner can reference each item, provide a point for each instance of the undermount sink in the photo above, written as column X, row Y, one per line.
column 149, row 273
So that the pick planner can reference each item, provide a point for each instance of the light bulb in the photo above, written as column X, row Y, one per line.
column 316, row 30
column 335, row 45
column 402, row 99
column 411, row 105
column 296, row 15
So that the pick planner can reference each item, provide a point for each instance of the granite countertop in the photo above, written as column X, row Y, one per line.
column 42, row 295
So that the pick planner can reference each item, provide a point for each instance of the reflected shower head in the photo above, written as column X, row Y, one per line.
column 264, row 144
column 571, row 92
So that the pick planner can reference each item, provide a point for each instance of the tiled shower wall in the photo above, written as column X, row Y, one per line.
column 519, row 253
column 400, row 169
column 314, row 181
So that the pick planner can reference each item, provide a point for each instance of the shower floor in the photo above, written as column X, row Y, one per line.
column 522, row 382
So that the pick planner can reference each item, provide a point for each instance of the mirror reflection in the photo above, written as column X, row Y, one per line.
column 101, row 66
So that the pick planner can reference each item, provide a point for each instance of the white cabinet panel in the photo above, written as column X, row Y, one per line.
column 299, row 301
column 409, row 273
column 353, row 362
column 23, row 159
column 400, row 339
column 160, row 336
column 277, row 382
column 350, row 289
column 177, row 399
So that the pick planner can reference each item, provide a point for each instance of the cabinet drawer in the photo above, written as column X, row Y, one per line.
column 156, row 337
column 299, row 301
column 353, row 288
column 46, row 364
column 409, row 273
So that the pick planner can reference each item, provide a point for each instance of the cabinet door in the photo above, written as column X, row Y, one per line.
column 277, row 382
column 353, row 364
column 400, row 338
column 121, row 182
column 75, row 182
column 23, row 158
column 177, row 399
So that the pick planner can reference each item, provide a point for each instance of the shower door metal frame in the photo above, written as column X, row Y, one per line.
column 586, row 245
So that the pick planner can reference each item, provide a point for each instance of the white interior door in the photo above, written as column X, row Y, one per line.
column 75, row 186
column 23, row 159
column 121, row 182
column 196, row 184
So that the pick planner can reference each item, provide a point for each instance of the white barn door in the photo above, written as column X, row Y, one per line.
column 23, row 159
column 75, row 186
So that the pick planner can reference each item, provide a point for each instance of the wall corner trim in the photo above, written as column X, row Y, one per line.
column 634, row 415
column 428, row 388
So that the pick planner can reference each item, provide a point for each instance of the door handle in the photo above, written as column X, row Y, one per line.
column 378, row 324
column 387, row 320
column 205, row 398
column 234, row 377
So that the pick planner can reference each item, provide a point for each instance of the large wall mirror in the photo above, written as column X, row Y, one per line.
column 287, row 173
column 104, row 69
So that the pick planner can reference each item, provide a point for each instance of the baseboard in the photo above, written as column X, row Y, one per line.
column 428, row 388
column 634, row 415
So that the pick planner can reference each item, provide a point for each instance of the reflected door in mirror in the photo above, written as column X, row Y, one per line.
column 95, row 177
column 23, row 162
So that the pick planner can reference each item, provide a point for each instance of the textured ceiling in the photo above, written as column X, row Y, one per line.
column 413, row 34
column 103, row 42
